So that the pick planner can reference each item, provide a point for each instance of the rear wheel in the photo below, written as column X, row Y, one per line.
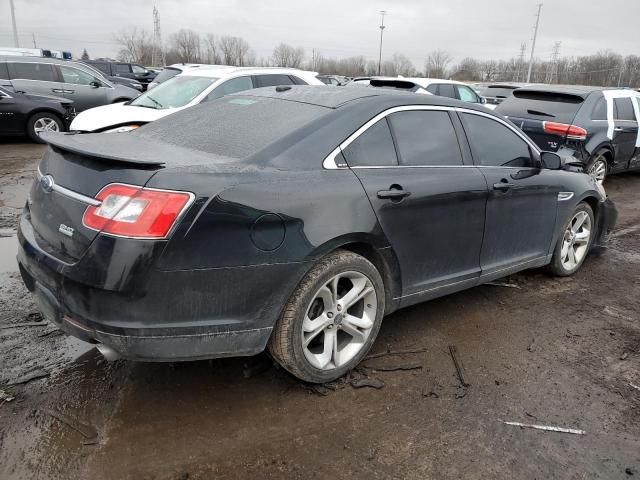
column 598, row 166
column 331, row 319
column 43, row 122
column 575, row 243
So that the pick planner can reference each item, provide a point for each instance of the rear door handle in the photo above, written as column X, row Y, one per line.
column 393, row 194
column 57, row 90
column 503, row 186
column 618, row 129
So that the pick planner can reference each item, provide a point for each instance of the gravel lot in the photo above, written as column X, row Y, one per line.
column 562, row 352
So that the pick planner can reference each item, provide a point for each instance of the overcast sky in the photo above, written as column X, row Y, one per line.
column 483, row 29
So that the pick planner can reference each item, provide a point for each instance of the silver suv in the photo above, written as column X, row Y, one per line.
column 81, row 83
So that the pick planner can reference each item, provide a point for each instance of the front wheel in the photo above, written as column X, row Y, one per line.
column 331, row 319
column 575, row 243
column 43, row 122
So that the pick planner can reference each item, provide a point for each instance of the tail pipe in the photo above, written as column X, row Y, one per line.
column 108, row 353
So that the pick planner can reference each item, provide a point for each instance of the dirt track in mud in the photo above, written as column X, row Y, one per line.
column 551, row 352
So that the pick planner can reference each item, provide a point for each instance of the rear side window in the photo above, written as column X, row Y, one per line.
column 624, row 109
column 273, row 80
column 600, row 110
column 231, row 86
column 425, row 138
column 447, row 90
column 122, row 68
column 433, row 88
column 4, row 71
column 166, row 74
column 33, row 71
column 373, row 148
column 103, row 67
column 495, row 145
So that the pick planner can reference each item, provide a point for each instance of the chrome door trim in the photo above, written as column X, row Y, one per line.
column 331, row 163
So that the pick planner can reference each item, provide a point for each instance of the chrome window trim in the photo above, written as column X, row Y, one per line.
column 5, row 95
column 330, row 162
column 70, row 193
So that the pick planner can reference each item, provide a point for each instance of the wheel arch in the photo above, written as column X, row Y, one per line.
column 603, row 145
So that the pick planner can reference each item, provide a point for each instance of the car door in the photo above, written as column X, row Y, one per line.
column 11, row 117
column 625, row 133
column 84, row 89
column 429, row 203
column 33, row 77
column 522, row 202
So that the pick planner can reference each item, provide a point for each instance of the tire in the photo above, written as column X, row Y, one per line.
column 313, row 315
column 598, row 165
column 562, row 264
column 43, row 121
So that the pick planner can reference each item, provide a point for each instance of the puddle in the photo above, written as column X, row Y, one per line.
column 8, row 252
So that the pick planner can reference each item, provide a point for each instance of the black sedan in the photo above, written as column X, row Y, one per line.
column 292, row 218
column 22, row 114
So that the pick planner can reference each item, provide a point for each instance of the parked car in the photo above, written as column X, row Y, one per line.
column 198, row 236
column 434, row 86
column 173, row 70
column 132, row 71
column 190, row 88
column 496, row 93
column 127, row 82
column 335, row 80
column 22, row 114
column 72, row 80
column 574, row 121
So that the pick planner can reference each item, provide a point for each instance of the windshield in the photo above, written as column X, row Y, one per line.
column 174, row 93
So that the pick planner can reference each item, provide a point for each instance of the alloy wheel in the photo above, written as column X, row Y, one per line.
column 339, row 320
column 576, row 240
column 45, row 124
column 598, row 169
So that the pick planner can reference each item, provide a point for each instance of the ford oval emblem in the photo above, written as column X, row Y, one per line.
column 46, row 182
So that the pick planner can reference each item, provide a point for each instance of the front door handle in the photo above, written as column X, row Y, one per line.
column 57, row 90
column 503, row 186
column 618, row 129
column 393, row 194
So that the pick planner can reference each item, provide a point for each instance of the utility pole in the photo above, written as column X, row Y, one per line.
column 553, row 66
column 533, row 46
column 33, row 35
column 13, row 21
column 621, row 72
column 519, row 69
column 158, row 52
column 382, row 14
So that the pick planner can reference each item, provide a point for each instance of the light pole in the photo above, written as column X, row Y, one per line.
column 13, row 21
column 382, row 14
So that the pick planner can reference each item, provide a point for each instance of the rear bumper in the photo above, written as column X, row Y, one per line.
column 606, row 221
column 176, row 315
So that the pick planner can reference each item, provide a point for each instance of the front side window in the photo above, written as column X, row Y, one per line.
column 175, row 92
column 425, row 138
column 373, row 148
column 33, row 71
column 494, row 144
column 138, row 69
column 234, row 85
column 273, row 80
column 76, row 77
column 624, row 109
column 466, row 94
column 4, row 71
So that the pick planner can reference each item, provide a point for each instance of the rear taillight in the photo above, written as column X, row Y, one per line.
column 564, row 129
column 131, row 211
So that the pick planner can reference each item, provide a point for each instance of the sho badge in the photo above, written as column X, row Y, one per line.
column 63, row 229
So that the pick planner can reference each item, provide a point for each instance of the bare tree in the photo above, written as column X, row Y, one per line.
column 437, row 63
column 287, row 56
column 186, row 44
column 136, row 46
column 212, row 49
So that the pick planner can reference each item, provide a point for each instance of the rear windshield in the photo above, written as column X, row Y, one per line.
column 166, row 74
column 235, row 126
column 497, row 92
column 553, row 106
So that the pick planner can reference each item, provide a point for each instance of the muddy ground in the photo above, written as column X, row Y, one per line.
column 552, row 352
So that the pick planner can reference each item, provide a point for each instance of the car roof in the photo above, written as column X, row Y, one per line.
column 217, row 71
column 579, row 90
column 332, row 97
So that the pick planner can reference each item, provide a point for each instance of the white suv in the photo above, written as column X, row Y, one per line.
column 190, row 88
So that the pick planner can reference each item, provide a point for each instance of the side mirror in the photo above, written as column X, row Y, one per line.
column 483, row 100
column 95, row 84
column 551, row 161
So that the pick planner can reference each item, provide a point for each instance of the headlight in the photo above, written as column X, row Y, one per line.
column 137, row 86
column 124, row 128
